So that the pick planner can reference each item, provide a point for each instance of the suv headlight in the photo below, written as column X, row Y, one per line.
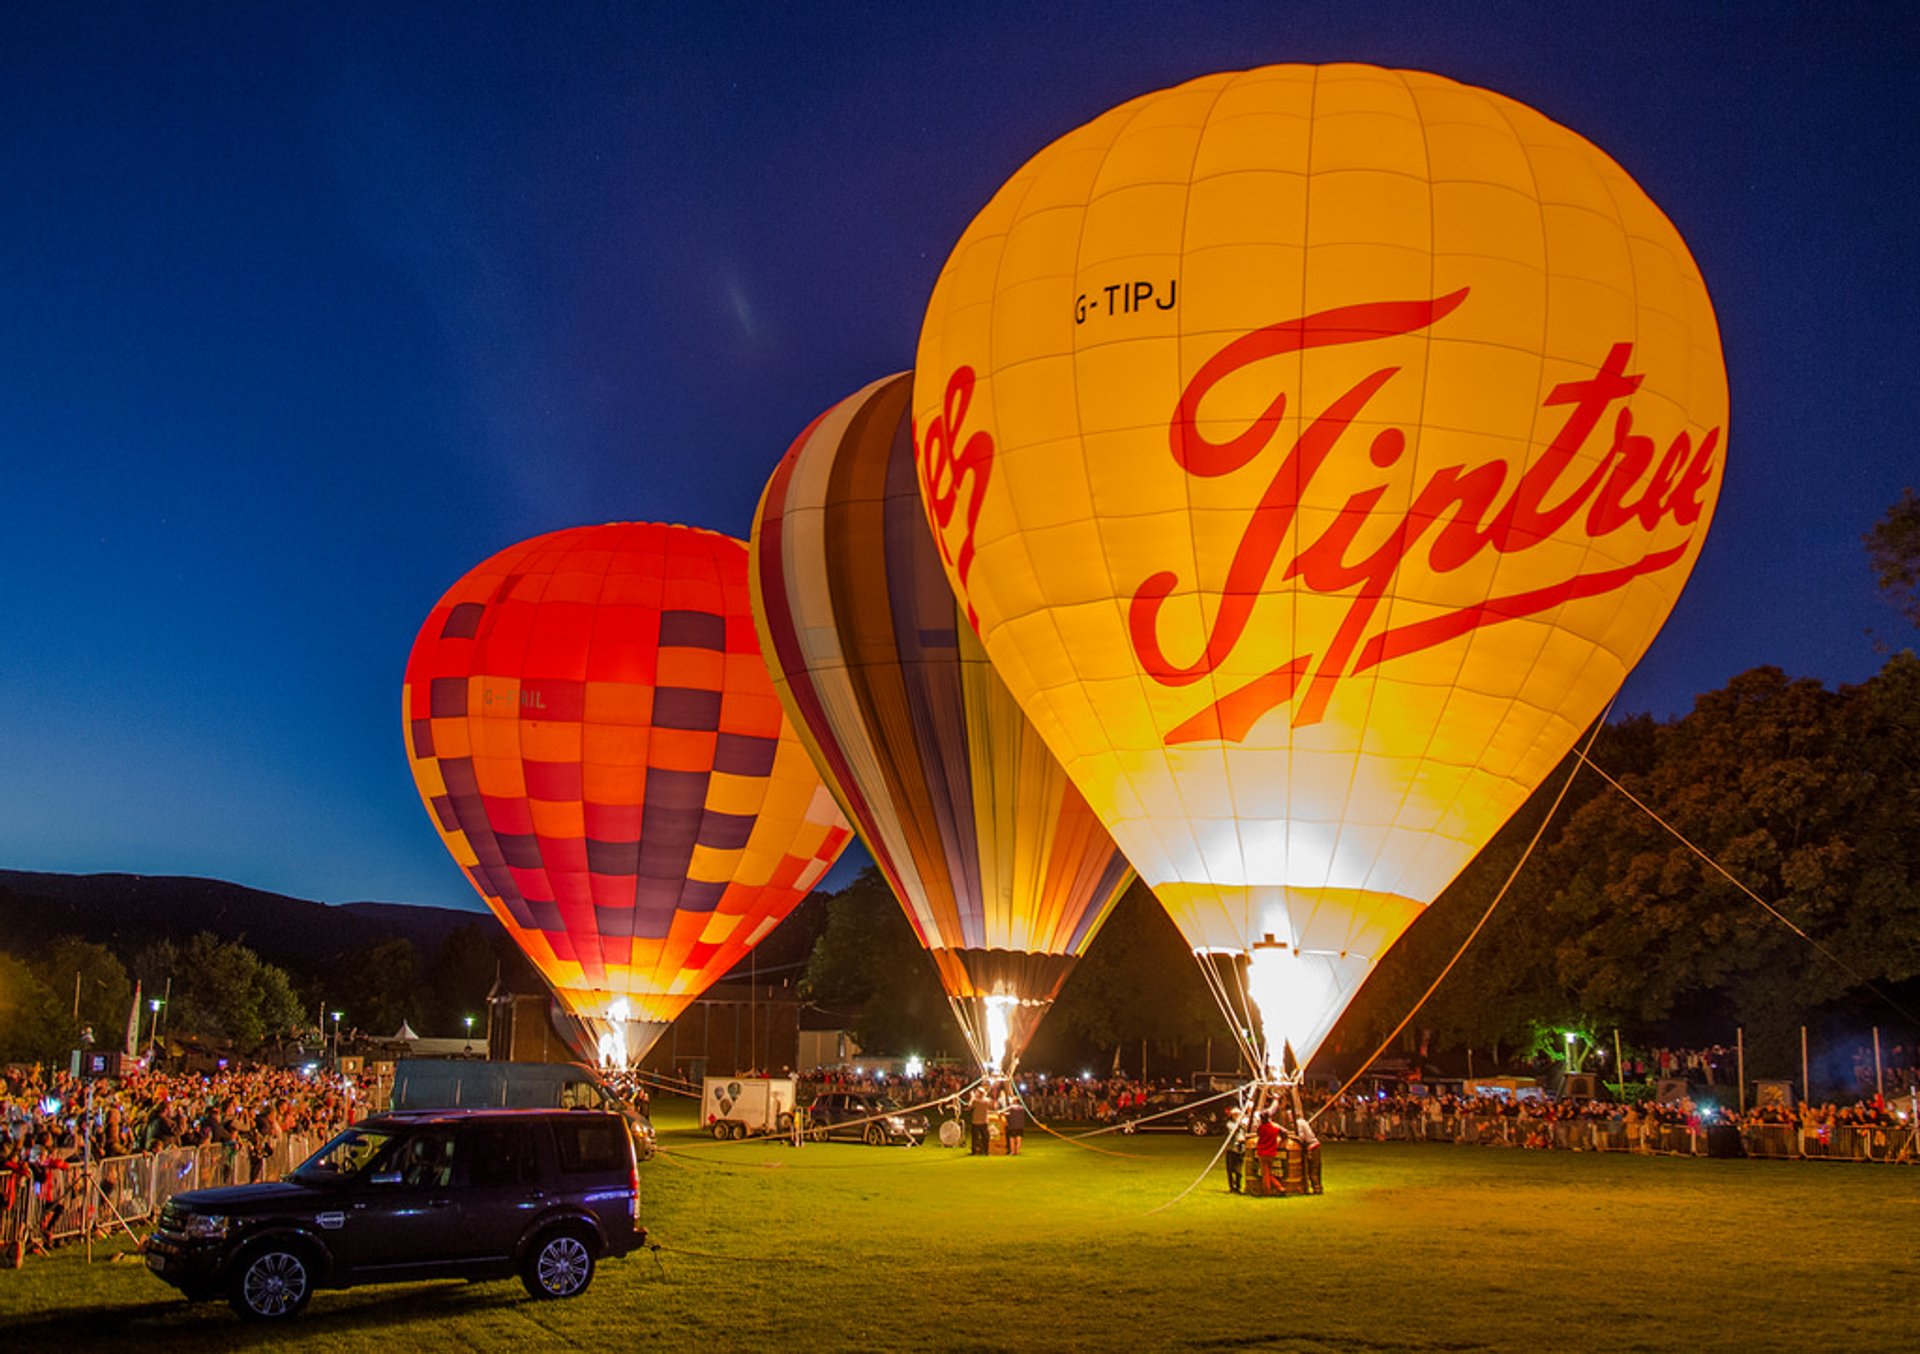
column 896, row 1123
column 206, row 1226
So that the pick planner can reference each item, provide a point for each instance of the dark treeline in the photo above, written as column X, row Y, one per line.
column 223, row 994
column 1809, row 797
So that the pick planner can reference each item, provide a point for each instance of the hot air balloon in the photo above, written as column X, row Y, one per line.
column 1002, row 868
column 1316, row 449
column 594, row 734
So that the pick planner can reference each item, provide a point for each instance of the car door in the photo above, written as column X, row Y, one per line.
column 501, row 1186
column 402, row 1218
column 843, row 1110
column 857, row 1109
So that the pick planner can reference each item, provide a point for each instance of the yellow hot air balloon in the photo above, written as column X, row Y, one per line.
column 1315, row 449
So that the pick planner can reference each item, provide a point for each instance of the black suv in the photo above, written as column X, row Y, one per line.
column 1200, row 1113
column 474, row 1194
column 873, row 1119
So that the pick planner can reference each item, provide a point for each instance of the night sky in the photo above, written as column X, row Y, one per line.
column 309, row 308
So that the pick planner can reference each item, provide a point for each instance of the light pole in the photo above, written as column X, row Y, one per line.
column 1571, row 1038
column 336, row 1040
column 153, row 1035
column 469, row 1020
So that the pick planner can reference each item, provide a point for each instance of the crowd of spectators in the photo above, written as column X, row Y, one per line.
column 1531, row 1118
column 52, row 1123
column 1524, row 1120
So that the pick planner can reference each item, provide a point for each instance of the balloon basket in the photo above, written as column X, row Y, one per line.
column 1290, row 1174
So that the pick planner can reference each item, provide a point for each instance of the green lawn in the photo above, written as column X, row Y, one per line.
column 845, row 1247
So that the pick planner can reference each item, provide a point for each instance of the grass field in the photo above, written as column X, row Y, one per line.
column 845, row 1247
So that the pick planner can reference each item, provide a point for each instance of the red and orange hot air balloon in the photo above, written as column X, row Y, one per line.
column 1316, row 449
column 1001, row 866
column 594, row 733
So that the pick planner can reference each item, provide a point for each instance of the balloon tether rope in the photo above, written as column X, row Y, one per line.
column 1480, row 925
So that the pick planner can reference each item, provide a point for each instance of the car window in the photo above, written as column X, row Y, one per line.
column 346, row 1155
column 590, row 1144
column 427, row 1158
column 498, row 1154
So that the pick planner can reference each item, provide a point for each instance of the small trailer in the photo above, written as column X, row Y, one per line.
column 736, row 1107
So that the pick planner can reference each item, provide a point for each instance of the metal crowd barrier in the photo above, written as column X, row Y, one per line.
column 132, row 1189
column 1780, row 1141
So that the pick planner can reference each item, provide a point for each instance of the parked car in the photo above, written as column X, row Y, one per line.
column 473, row 1194
column 1200, row 1113
column 864, row 1117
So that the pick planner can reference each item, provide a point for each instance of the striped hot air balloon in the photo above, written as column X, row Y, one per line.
column 1001, row 866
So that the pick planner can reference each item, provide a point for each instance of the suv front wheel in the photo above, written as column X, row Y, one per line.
column 560, row 1266
column 271, row 1283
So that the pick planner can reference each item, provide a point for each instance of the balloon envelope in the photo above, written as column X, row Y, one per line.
column 594, row 733
column 1316, row 449
column 1001, row 866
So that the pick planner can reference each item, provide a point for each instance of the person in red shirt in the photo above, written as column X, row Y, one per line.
column 1267, row 1147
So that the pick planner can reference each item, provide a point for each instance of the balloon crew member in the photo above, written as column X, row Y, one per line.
column 978, row 1114
column 1267, row 1147
column 1236, row 1148
column 1016, row 1125
column 1309, row 1153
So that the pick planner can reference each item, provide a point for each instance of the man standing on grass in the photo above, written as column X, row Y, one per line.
column 1236, row 1148
column 1309, row 1152
column 977, row 1117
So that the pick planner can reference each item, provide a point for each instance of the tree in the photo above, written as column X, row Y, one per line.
column 379, row 987
column 1138, row 981
column 1809, row 796
column 31, row 1025
column 220, row 989
column 1505, row 980
column 1893, row 548
column 870, row 965
column 463, row 973
column 106, row 992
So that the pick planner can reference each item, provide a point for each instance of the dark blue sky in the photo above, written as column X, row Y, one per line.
column 305, row 309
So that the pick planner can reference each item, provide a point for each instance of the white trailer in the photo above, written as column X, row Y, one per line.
column 734, row 1107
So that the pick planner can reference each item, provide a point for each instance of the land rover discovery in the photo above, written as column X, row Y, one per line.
column 474, row 1194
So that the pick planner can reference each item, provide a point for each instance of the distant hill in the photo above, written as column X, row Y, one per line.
column 125, row 911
